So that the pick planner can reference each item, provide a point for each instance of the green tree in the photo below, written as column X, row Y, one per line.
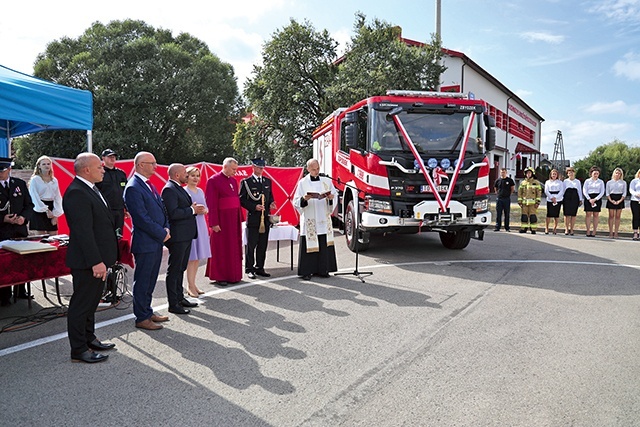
column 287, row 94
column 378, row 59
column 610, row 156
column 300, row 83
column 152, row 91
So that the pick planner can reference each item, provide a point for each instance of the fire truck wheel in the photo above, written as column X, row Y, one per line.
column 455, row 240
column 351, row 230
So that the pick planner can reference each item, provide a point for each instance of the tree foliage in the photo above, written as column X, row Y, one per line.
column 610, row 156
column 151, row 91
column 300, row 83
column 287, row 93
column 378, row 60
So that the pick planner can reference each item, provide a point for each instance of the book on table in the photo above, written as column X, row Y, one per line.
column 23, row 247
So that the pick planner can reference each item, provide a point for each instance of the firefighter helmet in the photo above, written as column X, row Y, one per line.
column 530, row 169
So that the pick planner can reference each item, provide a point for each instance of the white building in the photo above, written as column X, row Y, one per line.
column 518, row 126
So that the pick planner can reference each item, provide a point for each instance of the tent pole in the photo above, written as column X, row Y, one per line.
column 89, row 142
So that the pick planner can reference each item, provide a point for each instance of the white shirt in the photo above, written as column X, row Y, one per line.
column 554, row 186
column 575, row 184
column 617, row 187
column 634, row 189
column 40, row 190
column 593, row 187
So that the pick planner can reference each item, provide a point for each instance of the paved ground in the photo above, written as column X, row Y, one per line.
column 517, row 330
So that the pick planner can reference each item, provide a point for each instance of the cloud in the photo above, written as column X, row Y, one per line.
column 522, row 93
column 628, row 67
column 616, row 107
column 532, row 36
column 580, row 138
column 618, row 10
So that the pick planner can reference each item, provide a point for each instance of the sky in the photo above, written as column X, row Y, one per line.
column 576, row 63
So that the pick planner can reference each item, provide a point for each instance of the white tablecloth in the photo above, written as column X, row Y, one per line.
column 278, row 232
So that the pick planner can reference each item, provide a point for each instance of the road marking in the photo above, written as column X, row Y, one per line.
column 56, row 337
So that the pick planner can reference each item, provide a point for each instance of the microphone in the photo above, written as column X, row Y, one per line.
column 324, row 175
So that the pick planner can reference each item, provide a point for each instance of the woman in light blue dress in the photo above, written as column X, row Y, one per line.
column 200, row 248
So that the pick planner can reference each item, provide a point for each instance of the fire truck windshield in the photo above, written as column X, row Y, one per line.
column 429, row 131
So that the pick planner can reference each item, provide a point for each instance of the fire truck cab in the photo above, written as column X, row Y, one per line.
column 409, row 162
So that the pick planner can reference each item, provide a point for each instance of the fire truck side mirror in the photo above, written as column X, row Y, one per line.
column 351, row 135
column 490, row 139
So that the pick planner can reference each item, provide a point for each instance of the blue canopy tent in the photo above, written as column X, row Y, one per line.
column 29, row 104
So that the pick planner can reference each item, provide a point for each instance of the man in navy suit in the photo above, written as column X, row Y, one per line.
column 150, row 231
column 182, row 224
column 93, row 248
column 16, row 208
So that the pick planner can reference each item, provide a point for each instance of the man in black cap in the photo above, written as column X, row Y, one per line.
column 112, row 187
column 16, row 209
column 256, row 197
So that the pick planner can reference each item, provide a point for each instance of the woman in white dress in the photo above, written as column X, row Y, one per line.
column 200, row 249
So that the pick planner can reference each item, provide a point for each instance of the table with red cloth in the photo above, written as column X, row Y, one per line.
column 17, row 269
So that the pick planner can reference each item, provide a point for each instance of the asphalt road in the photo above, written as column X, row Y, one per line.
column 517, row 330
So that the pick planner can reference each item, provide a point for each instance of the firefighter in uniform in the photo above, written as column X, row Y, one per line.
column 112, row 187
column 256, row 197
column 529, row 194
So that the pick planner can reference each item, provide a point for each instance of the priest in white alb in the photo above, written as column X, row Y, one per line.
column 314, row 200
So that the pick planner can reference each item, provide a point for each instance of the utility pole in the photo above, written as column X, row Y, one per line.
column 558, row 161
column 438, row 19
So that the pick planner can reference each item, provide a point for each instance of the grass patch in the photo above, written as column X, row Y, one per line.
column 515, row 212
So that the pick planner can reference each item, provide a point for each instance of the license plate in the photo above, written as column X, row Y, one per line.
column 439, row 188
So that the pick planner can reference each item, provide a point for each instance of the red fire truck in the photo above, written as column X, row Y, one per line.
column 409, row 162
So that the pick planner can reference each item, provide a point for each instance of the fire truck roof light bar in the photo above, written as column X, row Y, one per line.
column 425, row 94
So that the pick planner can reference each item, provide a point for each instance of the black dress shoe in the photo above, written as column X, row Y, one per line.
column 251, row 275
column 89, row 357
column 263, row 273
column 325, row 275
column 306, row 277
column 178, row 310
column 186, row 303
column 221, row 283
column 97, row 345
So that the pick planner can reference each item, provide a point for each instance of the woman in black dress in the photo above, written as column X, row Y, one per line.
column 615, row 191
column 571, row 201
column 593, row 192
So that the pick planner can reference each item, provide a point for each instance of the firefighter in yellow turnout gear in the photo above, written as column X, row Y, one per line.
column 529, row 194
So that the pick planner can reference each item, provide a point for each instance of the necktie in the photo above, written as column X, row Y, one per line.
column 94, row 188
column 153, row 189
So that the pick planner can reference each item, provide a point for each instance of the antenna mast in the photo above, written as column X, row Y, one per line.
column 558, row 161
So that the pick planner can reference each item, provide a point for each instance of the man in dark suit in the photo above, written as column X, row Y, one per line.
column 150, row 231
column 182, row 224
column 256, row 197
column 93, row 248
column 16, row 209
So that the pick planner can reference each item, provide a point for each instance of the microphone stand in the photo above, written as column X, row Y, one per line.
column 359, row 274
